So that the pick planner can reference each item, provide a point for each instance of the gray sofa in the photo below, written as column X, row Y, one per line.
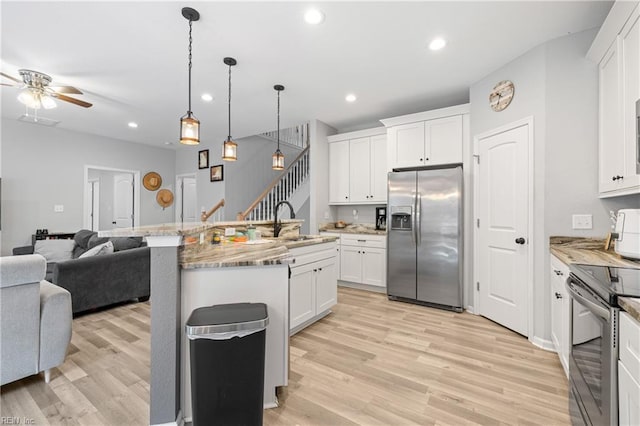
column 103, row 280
column 35, row 319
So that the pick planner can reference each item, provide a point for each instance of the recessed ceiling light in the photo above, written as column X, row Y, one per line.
column 206, row 97
column 350, row 97
column 313, row 16
column 133, row 125
column 437, row 43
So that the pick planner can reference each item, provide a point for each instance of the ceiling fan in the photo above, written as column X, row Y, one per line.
column 36, row 92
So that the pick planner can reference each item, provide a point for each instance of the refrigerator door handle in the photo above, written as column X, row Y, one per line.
column 413, row 220
column 417, row 220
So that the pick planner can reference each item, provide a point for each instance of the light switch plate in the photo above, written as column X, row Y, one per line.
column 229, row 232
column 582, row 221
column 58, row 208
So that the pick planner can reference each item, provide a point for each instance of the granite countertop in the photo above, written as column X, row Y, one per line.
column 631, row 305
column 161, row 230
column 356, row 228
column 269, row 251
column 591, row 251
column 588, row 251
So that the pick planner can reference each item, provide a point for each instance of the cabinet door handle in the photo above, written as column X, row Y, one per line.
column 617, row 177
column 426, row 159
column 558, row 295
column 346, row 197
column 421, row 160
column 362, row 241
column 315, row 270
column 363, row 252
column 558, row 272
column 319, row 269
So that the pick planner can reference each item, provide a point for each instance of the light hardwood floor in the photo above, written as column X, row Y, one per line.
column 371, row 362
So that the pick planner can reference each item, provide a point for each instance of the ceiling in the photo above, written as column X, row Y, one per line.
column 130, row 59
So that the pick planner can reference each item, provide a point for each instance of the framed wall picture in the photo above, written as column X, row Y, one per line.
column 217, row 173
column 203, row 159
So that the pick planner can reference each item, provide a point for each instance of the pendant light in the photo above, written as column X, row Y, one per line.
column 229, row 147
column 189, row 124
column 278, row 156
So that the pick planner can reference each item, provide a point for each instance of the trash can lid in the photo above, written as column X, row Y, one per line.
column 228, row 318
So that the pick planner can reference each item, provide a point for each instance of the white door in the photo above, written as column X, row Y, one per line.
column 122, row 200
column 93, row 200
column 359, row 170
column 186, row 202
column 503, row 208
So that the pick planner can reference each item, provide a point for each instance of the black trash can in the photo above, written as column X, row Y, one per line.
column 227, row 345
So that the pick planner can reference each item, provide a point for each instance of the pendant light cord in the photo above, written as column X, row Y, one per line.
column 190, row 41
column 229, row 136
column 278, row 132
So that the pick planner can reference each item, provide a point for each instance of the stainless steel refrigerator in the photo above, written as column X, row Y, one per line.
column 424, row 237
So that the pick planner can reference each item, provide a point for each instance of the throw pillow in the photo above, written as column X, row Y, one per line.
column 100, row 249
column 95, row 240
column 125, row 243
column 55, row 250
column 82, row 238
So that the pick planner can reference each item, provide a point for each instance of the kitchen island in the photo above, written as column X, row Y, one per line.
column 184, row 277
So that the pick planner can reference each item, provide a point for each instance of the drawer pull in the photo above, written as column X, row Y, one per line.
column 362, row 241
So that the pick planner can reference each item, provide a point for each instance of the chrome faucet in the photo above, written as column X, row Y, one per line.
column 277, row 226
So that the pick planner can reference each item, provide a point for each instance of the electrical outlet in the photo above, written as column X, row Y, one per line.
column 229, row 232
column 582, row 221
column 326, row 215
column 58, row 208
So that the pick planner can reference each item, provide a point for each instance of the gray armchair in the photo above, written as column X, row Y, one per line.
column 35, row 319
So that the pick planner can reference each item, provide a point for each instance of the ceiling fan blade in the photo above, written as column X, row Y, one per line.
column 71, row 100
column 66, row 89
column 10, row 78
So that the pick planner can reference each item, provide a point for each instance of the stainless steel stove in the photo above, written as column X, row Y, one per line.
column 593, row 368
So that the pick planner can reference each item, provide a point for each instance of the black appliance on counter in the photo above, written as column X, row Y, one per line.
column 593, row 333
column 381, row 218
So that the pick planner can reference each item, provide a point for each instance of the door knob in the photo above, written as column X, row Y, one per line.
column 520, row 240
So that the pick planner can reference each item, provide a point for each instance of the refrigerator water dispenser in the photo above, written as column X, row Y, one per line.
column 401, row 218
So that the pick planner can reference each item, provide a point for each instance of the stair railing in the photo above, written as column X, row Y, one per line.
column 206, row 215
column 296, row 135
column 280, row 188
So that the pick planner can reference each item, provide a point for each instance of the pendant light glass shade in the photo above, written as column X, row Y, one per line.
column 189, row 125
column 229, row 147
column 229, row 150
column 277, row 159
column 189, row 130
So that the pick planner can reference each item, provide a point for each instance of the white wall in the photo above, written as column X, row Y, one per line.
column 44, row 166
column 558, row 87
column 320, row 211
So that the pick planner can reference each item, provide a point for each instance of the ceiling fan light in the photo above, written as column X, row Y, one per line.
column 47, row 102
column 229, row 150
column 29, row 98
column 189, row 130
column 277, row 160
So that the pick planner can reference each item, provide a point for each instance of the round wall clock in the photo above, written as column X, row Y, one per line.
column 501, row 95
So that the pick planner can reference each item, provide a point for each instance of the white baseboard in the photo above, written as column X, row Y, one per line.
column 545, row 344
column 471, row 310
column 359, row 286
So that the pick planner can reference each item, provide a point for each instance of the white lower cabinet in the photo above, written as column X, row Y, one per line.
column 629, row 371
column 313, row 285
column 560, row 311
column 363, row 259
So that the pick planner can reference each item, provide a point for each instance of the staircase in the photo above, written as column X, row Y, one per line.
column 297, row 136
column 289, row 183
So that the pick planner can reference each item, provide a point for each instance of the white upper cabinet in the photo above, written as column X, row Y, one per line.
column 426, row 139
column 361, row 157
column 339, row 172
column 617, row 50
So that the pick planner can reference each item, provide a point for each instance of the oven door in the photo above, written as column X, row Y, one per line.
column 593, row 358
